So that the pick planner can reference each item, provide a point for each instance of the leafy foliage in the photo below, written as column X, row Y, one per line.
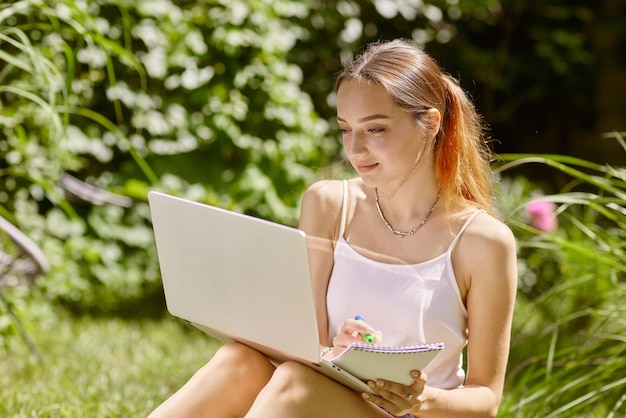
column 569, row 331
column 193, row 98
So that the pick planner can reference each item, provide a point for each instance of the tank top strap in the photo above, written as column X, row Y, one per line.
column 465, row 225
column 344, row 209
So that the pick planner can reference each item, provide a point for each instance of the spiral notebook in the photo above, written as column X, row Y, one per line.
column 240, row 278
column 369, row 362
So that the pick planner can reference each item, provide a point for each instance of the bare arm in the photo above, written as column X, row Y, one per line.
column 319, row 219
column 485, row 262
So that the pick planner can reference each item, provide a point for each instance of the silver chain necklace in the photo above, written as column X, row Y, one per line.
column 401, row 234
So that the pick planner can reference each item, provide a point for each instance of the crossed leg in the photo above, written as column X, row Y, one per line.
column 296, row 390
column 241, row 382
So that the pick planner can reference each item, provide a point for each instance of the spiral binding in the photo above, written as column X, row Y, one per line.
column 398, row 349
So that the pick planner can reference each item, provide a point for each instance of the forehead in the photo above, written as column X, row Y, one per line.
column 356, row 99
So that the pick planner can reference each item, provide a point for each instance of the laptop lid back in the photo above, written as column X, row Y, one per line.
column 236, row 276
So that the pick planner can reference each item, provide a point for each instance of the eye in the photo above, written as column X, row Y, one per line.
column 376, row 130
column 344, row 131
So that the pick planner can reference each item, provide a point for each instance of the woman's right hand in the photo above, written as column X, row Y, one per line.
column 352, row 332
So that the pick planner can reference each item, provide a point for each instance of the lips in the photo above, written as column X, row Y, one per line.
column 364, row 168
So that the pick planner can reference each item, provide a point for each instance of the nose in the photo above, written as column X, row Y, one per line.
column 354, row 144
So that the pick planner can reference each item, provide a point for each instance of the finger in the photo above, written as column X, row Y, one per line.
column 387, row 400
column 419, row 379
column 378, row 337
column 354, row 327
column 380, row 401
column 365, row 332
column 396, row 390
column 340, row 341
column 360, row 326
column 344, row 340
column 353, row 331
column 396, row 398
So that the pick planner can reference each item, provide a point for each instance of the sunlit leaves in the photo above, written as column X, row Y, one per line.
column 568, row 329
column 196, row 99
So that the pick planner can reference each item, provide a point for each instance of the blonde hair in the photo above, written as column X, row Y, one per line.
column 417, row 84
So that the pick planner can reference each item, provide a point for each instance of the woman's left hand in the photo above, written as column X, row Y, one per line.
column 396, row 398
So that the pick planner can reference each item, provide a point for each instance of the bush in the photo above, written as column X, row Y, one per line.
column 568, row 337
column 103, row 101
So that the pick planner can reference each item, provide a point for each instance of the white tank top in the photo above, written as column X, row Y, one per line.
column 411, row 304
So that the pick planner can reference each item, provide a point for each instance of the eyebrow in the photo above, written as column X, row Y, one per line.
column 367, row 118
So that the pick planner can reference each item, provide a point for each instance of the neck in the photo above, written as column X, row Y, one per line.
column 408, row 232
column 408, row 202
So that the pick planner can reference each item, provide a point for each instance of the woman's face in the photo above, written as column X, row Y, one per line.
column 382, row 141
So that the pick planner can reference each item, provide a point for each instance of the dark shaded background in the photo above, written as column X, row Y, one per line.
column 548, row 76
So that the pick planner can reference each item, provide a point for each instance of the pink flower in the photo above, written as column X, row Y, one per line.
column 542, row 215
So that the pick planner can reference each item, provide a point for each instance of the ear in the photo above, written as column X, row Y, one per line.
column 432, row 121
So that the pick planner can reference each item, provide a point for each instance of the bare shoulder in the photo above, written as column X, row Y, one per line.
column 324, row 194
column 486, row 231
column 321, row 208
column 490, row 241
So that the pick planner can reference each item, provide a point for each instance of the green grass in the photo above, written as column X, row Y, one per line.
column 99, row 367
column 116, row 367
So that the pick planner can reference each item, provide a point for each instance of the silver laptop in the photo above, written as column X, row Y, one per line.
column 240, row 278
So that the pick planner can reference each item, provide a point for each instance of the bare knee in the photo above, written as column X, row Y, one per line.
column 291, row 382
column 237, row 359
column 239, row 354
column 293, row 391
column 226, row 386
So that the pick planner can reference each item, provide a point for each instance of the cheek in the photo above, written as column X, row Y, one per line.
column 346, row 141
column 410, row 152
column 402, row 147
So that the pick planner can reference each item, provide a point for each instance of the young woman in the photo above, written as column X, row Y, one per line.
column 412, row 244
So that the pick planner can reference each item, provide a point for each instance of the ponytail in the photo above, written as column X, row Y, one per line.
column 461, row 154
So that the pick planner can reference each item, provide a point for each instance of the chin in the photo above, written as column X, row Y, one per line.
column 368, row 181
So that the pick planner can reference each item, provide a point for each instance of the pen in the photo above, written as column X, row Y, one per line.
column 368, row 338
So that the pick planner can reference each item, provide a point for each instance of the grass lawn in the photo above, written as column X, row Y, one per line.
column 98, row 367
column 116, row 367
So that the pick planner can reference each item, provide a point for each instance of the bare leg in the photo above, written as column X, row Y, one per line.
column 225, row 387
column 297, row 391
